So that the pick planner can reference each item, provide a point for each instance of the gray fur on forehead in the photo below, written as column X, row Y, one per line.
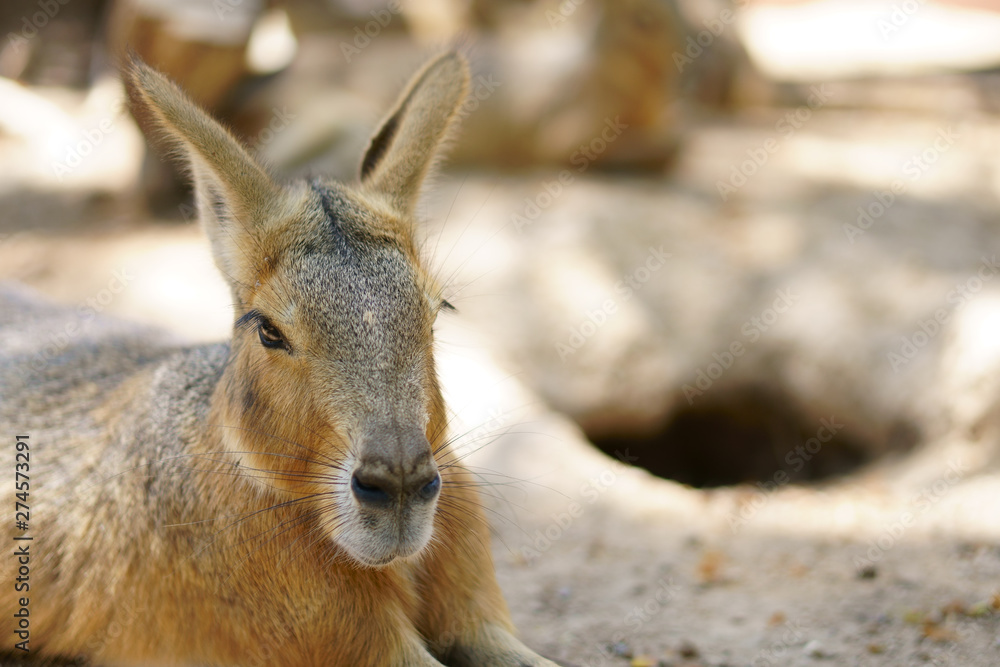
column 359, row 286
column 347, row 226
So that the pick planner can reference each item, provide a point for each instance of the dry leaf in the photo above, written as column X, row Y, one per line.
column 939, row 633
column 710, row 567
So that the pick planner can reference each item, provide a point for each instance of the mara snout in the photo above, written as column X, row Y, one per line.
column 394, row 487
column 395, row 471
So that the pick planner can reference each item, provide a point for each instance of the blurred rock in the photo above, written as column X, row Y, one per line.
column 547, row 79
column 53, row 140
column 51, row 43
column 200, row 45
column 822, row 289
column 553, row 82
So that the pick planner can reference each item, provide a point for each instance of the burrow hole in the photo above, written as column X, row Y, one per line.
column 745, row 436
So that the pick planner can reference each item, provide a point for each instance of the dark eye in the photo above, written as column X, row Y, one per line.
column 270, row 336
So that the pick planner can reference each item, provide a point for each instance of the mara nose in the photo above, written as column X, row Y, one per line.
column 380, row 488
column 395, row 468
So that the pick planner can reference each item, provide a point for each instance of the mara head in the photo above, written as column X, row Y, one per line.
column 330, row 393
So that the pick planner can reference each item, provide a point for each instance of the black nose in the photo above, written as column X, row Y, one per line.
column 429, row 490
column 369, row 493
column 376, row 490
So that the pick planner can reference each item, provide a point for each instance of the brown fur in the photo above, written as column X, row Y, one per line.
column 195, row 505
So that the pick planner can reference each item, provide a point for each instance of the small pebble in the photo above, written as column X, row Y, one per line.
column 688, row 650
column 814, row 649
column 620, row 649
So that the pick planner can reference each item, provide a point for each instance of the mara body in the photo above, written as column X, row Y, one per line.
column 287, row 497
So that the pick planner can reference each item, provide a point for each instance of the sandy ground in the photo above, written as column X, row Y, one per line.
column 603, row 562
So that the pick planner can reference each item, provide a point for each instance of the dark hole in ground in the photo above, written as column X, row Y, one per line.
column 744, row 436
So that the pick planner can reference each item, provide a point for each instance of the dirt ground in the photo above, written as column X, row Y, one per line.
column 604, row 563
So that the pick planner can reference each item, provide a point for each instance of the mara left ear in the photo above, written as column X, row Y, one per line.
column 408, row 143
column 237, row 198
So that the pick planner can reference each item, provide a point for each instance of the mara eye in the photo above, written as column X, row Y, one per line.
column 270, row 336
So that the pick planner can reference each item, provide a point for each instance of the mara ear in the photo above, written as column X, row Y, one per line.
column 409, row 141
column 235, row 195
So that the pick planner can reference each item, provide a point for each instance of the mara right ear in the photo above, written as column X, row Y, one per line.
column 409, row 141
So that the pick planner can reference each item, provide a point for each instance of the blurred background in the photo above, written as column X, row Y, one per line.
column 748, row 246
